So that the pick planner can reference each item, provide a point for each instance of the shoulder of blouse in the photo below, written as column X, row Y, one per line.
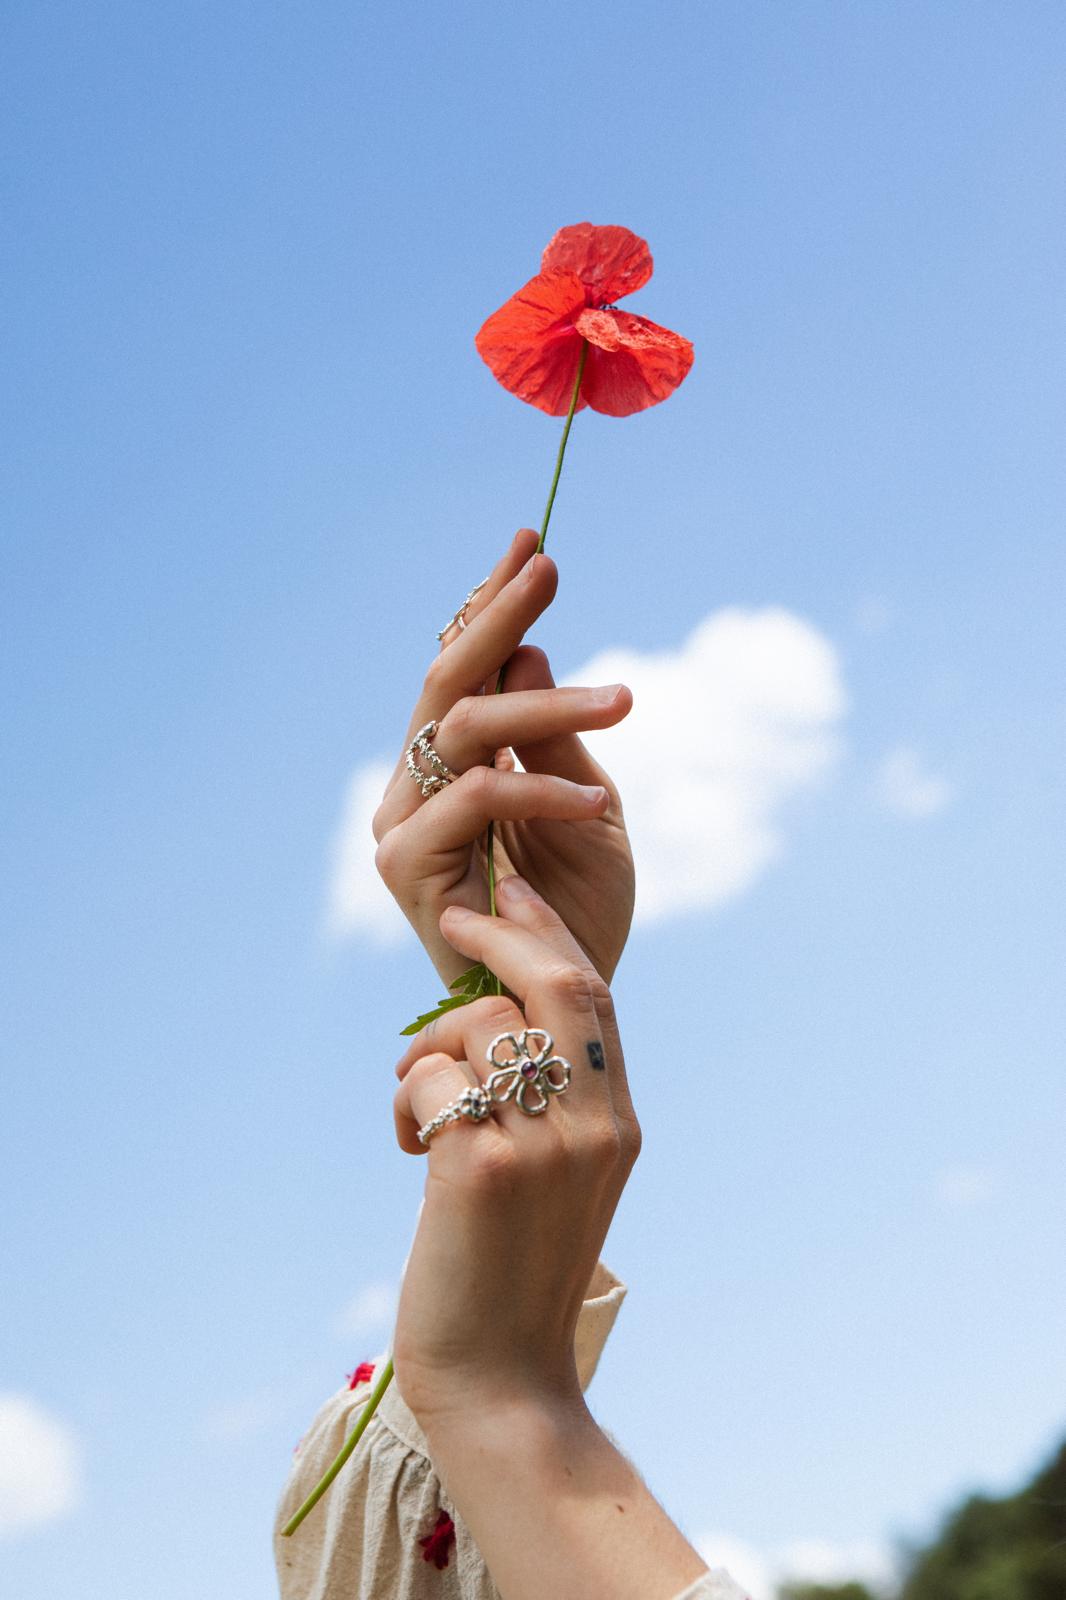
column 713, row 1585
column 387, row 1526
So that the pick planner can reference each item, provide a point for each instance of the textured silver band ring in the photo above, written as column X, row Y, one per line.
column 520, row 1075
column 459, row 620
column 434, row 775
column 473, row 1104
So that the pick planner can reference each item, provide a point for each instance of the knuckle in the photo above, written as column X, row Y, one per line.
column 437, row 672
column 492, row 1165
column 480, row 785
column 567, row 985
column 426, row 1068
column 630, row 1139
column 602, row 998
column 462, row 719
column 402, row 1114
column 534, row 663
column 494, row 1011
column 387, row 858
column 551, row 1155
column 601, row 1144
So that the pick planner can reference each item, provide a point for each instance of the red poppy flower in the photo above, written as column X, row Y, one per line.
column 533, row 342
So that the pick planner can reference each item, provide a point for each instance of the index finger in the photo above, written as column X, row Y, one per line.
column 475, row 658
column 507, row 567
column 522, row 905
column 556, row 989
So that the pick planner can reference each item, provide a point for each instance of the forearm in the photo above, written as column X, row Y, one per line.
column 556, row 1509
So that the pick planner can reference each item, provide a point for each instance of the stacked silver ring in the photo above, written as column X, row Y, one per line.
column 459, row 620
column 518, row 1077
column 435, row 775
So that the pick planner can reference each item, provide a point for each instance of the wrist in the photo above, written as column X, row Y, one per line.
column 523, row 1426
column 597, row 1529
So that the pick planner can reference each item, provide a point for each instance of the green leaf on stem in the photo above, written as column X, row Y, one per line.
column 469, row 985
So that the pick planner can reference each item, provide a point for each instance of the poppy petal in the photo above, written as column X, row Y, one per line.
column 632, row 363
column 610, row 261
column 531, row 344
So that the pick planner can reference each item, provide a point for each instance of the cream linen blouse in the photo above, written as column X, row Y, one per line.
column 380, row 1531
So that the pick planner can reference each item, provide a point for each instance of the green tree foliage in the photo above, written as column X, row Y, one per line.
column 1011, row 1549
column 821, row 1591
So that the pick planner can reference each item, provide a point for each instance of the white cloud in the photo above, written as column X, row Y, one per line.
column 803, row 1561
column 964, row 1188
column 40, row 1466
column 742, row 1561
column 824, row 1561
column 724, row 731
column 905, row 787
column 358, row 900
column 370, row 1311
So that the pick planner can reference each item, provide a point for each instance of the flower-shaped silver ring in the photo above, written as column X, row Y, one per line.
column 526, row 1071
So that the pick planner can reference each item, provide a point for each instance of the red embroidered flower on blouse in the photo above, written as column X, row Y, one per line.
column 435, row 1545
column 362, row 1374
column 533, row 342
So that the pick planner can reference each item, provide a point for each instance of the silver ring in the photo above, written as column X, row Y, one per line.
column 435, row 775
column 473, row 1104
column 517, row 1077
column 459, row 620
column 525, row 1072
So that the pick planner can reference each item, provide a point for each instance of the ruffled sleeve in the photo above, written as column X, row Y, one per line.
column 714, row 1585
column 386, row 1526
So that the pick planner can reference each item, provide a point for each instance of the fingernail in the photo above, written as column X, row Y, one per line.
column 458, row 914
column 530, row 567
column 603, row 697
column 515, row 888
column 594, row 794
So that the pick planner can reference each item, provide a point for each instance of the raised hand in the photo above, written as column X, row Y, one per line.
column 516, row 1210
column 559, row 820
column 518, row 1202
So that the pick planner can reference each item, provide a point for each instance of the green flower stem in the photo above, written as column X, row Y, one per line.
column 562, row 443
column 490, row 835
column 349, row 1445
column 386, row 1377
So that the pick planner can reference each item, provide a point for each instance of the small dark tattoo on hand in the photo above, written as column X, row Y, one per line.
column 595, row 1050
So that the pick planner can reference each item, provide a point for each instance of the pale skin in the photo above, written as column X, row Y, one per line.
column 516, row 1212
column 517, row 1208
column 559, row 822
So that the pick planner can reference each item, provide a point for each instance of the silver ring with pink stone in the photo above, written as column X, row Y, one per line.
column 529, row 1074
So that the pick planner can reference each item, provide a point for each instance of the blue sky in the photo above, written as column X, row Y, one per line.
column 252, row 461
